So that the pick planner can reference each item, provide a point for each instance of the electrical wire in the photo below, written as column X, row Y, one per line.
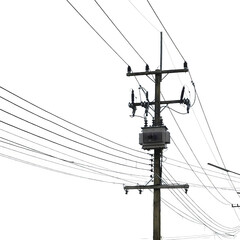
column 205, row 137
column 72, row 124
column 85, row 169
column 77, row 11
column 165, row 29
column 69, row 139
column 95, row 166
column 203, row 236
column 222, row 188
column 199, row 179
column 119, row 31
column 201, row 216
column 70, row 148
column 195, row 166
column 144, row 16
column 179, row 212
column 84, row 166
column 214, row 140
column 67, row 129
column 54, row 170
column 202, row 212
column 185, row 139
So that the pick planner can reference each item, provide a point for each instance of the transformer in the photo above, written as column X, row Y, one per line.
column 154, row 137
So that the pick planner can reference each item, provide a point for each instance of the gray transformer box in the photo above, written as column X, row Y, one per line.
column 154, row 137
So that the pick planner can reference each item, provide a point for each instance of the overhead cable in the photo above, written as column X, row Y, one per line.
column 54, row 170
column 119, row 31
column 69, row 139
column 73, row 124
column 188, row 144
column 69, row 130
column 201, row 215
column 96, row 32
column 70, row 148
column 214, row 140
column 165, row 29
column 85, row 169
column 77, row 161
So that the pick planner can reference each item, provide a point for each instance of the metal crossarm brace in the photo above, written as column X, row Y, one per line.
column 158, row 72
column 140, row 187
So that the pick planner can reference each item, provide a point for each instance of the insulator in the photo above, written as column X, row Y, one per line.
column 145, row 122
column 147, row 68
column 129, row 69
column 132, row 96
column 147, row 96
column 140, row 191
column 161, row 121
column 185, row 65
column 182, row 94
column 153, row 122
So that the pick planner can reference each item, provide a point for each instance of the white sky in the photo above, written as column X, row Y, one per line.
column 51, row 57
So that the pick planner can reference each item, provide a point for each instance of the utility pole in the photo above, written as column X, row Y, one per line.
column 156, row 137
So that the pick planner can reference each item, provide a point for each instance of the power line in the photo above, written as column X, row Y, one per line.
column 195, row 166
column 174, row 165
column 119, row 31
column 201, row 215
column 196, row 160
column 95, row 166
column 85, row 169
column 72, row 124
column 200, row 210
column 54, row 170
column 70, row 148
column 21, row 146
column 96, row 32
column 203, row 236
column 210, row 130
column 67, row 129
column 165, row 30
column 69, row 139
column 180, row 212
column 195, row 172
column 144, row 16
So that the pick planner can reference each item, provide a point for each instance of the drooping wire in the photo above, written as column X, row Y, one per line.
column 67, row 129
column 195, row 173
column 203, row 236
column 205, row 136
column 95, row 166
column 194, row 166
column 54, row 170
column 70, row 148
column 203, row 213
column 179, row 212
column 196, row 158
column 69, row 139
column 214, row 140
column 72, row 124
column 86, row 169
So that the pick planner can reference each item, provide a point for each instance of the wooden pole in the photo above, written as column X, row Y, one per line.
column 157, row 157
